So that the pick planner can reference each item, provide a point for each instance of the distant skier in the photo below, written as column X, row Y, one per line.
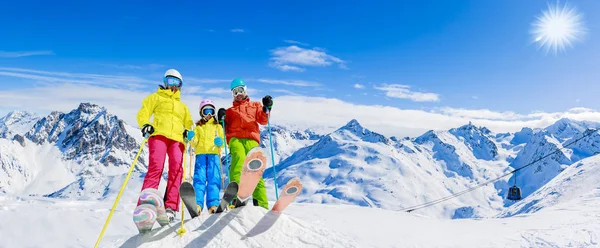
column 243, row 134
column 167, row 132
column 207, row 144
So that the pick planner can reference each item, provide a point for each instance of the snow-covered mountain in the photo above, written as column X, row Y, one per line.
column 354, row 165
column 546, row 141
column 286, row 140
column 84, row 154
column 16, row 123
column 61, row 148
column 580, row 180
column 89, row 134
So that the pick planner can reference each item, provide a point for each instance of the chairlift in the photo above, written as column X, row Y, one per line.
column 514, row 192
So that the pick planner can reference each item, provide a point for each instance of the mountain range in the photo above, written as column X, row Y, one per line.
column 84, row 154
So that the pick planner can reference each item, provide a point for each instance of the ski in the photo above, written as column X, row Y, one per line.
column 152, row 196
column 188, row 196
column 144, row 217
column 228, row 195
column 292, row 189
column 252, row 171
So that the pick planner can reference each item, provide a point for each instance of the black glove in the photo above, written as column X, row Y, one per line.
column 147, row 129
column 267, row 103
column 221, row 115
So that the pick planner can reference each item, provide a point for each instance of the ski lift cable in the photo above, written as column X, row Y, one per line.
column 443, row 199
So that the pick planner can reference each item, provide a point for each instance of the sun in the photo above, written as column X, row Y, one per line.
column 558, row 27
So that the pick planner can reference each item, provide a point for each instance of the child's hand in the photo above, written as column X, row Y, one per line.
column 218, row 141
column 188, row 135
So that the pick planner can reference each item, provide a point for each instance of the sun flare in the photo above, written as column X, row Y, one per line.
column 558, row 27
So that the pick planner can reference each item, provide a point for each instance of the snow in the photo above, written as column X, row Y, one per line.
column 33, row 169
column 580, row 180
column 67, row 223
column 356, row 166
column 16, row 122
column 355, row 181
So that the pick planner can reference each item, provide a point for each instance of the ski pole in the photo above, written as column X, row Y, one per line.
column 272, row 154
column 182, row 230
column 121, row 191
column 225, row 142
column 222, row 174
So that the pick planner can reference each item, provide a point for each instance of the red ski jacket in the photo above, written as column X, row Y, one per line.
column 242, row 119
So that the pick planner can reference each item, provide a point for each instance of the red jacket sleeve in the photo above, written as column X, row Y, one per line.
column 261, row 117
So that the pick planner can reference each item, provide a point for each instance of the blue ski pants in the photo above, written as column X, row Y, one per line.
column 207, row 178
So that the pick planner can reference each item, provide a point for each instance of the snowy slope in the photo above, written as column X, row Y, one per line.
column 286, row 140
column 547, row 141
column 354, row 165
column 576, row 181
column 32, row 169
column 16, row 122
column 569, row 224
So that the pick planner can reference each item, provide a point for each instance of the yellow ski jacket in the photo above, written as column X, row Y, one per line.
column 171, row 116
column 204, row 139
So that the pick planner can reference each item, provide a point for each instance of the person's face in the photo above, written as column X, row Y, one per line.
column 239, row 93
column 239, row 97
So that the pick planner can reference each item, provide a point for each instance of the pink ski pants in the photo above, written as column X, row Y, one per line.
column 159, row 147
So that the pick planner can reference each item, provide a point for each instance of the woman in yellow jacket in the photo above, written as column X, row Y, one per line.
column 207, row 143
column 167, row 134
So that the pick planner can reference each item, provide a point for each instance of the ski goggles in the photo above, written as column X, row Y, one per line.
column 173, row 81
column 238, row 90
column 208, row 111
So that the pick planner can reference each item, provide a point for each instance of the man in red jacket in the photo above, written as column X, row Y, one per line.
column 243, row 134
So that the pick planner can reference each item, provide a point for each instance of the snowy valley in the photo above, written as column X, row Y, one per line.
column 64, row 170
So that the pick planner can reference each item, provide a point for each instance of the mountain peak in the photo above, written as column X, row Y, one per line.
column 16, row 122
column 18, row 114
column 353, row 125
column 365, row 134
column 565, row 127
column 472, row 128
column 90, row 108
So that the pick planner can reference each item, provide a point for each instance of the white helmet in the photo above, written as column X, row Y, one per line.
column 173, row 73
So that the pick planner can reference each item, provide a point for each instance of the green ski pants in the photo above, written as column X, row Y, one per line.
column 239, row 148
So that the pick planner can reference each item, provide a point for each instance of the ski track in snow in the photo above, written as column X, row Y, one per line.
column 67, row 223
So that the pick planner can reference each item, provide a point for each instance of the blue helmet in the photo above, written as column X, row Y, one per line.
column 237, row 82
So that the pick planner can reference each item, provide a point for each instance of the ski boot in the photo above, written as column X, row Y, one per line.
column 237, row 203
column 170, row 215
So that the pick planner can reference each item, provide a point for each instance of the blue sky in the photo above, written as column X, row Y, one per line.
column 433, row 56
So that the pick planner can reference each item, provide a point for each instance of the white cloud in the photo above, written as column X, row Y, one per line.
column 481, row 114
column 404, row 92
column 289, row 92
column 217, row 91
column 291, row 58
column 237, row 30
column 5, row 54
column 288, row 68
column 300, row 83
column 359, row 86
column 296, row 42
column 319, row 113
column 206, row 80
column 135, row 67
column 78, row 78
